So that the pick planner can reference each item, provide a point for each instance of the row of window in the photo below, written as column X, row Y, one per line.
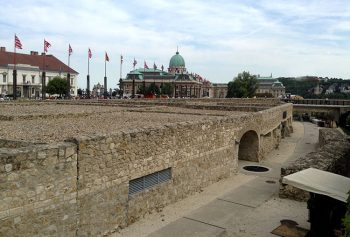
column 24, row 77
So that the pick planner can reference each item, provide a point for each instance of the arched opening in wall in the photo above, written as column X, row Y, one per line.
column 249, row 147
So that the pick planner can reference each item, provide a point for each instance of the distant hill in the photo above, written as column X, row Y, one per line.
column 316, row 87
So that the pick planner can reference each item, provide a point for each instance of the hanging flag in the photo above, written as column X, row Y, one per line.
column 18, row 43
column 106, row 57
column 70, row 50
column 154, row 66
column 89, row 53
column 46, row 45
column 145, row 66
column 121, row 59
column 134, row 63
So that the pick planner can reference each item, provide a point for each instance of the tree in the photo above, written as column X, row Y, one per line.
column 80, row 92
column 115, row 92
column 153, row 89
column 141, row 90
column 244, row 85
column 167, row 89
column 121, row 92
column 57, row 85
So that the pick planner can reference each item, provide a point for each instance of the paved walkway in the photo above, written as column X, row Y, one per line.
column 243, row 205
column 253, row 208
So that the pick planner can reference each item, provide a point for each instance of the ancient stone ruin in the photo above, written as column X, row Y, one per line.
column 88, row 168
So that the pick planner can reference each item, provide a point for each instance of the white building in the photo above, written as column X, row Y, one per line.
column 29, row 70
column 270, row 85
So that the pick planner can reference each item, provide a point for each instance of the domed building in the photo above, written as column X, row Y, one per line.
column 177, row 64
column 182, row 83
column 270, row 85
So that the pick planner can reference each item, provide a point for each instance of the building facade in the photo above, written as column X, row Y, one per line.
column 184, row 84
column 219, row 90
column 29, row 73
column 270, row 85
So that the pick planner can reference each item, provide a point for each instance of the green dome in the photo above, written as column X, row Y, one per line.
column 277, row 83
column 177, row 61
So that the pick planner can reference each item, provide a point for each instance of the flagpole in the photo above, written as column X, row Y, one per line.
column 88, row 77
column 14, row 79
column 144, row 81
column 68, row 73
column 121, row 64
column 105, row 79
column 43, row 77
column 14, row 55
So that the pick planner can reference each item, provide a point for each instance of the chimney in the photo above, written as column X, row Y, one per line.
column 33, row 52
column 2, row 49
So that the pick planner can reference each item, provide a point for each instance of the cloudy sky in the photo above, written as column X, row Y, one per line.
column 217, row 38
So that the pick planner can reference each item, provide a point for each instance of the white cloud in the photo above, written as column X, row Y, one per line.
column 218, row 39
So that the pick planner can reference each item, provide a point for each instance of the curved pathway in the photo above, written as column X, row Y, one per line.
column 246, row 204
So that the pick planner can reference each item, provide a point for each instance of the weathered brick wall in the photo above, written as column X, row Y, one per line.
column 81, row 187
column 4, row 143
column 332, row 155
column 38, row 190
column 199, row 153
column 243, row 104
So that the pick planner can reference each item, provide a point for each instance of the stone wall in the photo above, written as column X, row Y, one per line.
column 81, row 187
column 4, row 143
column 244, row 104
column 332, row 155
column 38, row 190
column 198, row 153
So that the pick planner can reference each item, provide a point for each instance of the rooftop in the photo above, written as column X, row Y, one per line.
column 52, row 63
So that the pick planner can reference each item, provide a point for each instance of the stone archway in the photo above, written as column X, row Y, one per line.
column 249, row 147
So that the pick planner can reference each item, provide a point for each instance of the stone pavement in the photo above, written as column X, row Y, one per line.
column 253, row 208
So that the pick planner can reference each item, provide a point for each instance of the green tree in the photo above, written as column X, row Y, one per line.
column 115, row 92
column 167, row 89
column 141, row 90
column 80, row 91
column 153, row 89
column 57, row 85
column 244, row 85
column 121, row 92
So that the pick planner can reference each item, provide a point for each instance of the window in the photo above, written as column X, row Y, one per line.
column 148, row 181
column 33, row 79
column 33, row 91
column 3, row 77
column 24, row 78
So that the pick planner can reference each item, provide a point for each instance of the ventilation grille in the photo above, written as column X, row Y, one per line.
column 148, row 181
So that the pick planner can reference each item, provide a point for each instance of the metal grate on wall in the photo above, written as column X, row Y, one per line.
column 148, row 181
